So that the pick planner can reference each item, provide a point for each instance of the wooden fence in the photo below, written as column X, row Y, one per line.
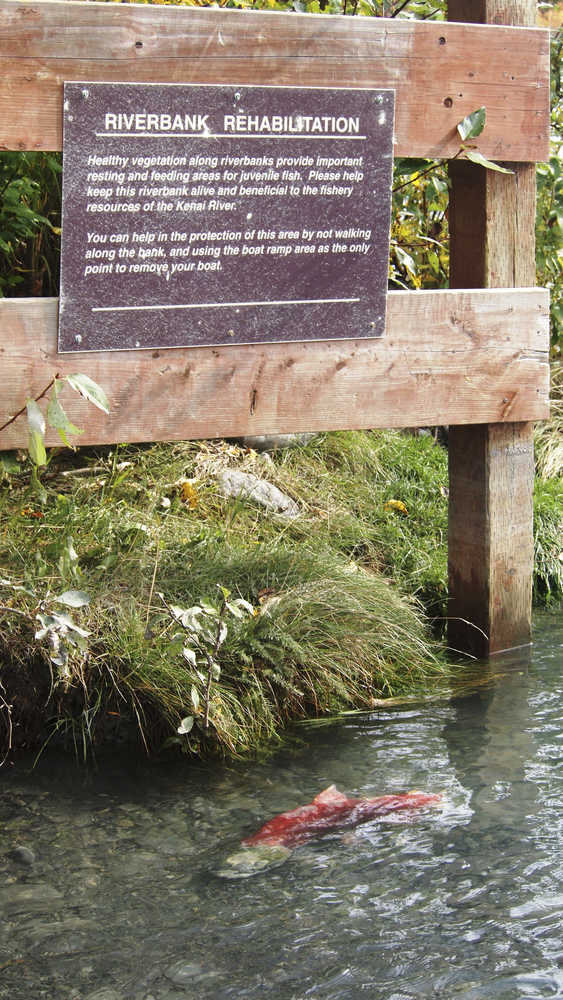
column 474, row 357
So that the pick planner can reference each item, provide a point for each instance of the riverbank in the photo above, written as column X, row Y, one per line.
column 140, row 601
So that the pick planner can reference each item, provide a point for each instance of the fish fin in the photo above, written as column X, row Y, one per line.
column 330, row 794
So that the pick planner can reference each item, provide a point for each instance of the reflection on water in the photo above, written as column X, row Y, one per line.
column 108, row 888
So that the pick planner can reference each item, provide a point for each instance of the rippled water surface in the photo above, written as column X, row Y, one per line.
column 111, row 891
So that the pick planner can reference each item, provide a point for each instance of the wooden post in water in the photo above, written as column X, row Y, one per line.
column 490, row 539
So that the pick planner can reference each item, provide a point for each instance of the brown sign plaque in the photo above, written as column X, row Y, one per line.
column 204, row 215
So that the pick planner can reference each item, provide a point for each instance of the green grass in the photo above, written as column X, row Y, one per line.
column 548, row 498
column 549, row 434
column 348, row 597
column 330, row 631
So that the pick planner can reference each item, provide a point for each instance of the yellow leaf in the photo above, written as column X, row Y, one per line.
column 397, row 505
column 189, row 495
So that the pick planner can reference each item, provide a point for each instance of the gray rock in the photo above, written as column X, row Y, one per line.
column 105, row 993
column 24, row 855
column 234, row 483
column 253, row 860
column 274, row 442
column 38, row 898
column 74, row 929
column 187, row 974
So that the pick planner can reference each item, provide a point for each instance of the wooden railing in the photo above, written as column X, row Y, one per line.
column 474, row 357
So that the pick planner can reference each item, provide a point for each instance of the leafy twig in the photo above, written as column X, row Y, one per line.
column 23, row 409
column 211, row 659
column 400, row 8
column 469, row 128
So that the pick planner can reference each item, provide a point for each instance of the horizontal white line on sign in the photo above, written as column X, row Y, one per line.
column 221, row 305
column 222, row 135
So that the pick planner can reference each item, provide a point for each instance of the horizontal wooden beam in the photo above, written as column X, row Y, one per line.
column 448, row 357
column 441, row 72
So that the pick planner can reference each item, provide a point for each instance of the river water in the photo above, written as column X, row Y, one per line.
column 109, row 890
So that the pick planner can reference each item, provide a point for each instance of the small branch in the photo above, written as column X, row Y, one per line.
column 209, row 656
column 15, row 611
column 423, row 173
column 152, row 586
column 411, row 180
column 399, row 9
column 211, row 661
column 37, row 398
column 171, row 613
column 208, row 690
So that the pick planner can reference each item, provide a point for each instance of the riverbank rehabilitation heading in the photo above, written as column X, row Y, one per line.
column 146, row 123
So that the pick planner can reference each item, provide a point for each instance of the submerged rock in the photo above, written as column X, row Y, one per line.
column 28, row 898
column 73, row 931
column 24, row 855
column 105, row 993
column 187, row 974
column 234, row 483
column 252, row 860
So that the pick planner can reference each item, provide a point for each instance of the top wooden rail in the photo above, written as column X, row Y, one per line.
column 440, row 71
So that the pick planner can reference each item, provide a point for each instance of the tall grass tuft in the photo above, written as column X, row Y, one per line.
column 548, row 498
column 329, row 632
column 549, row 434
column 341, row 593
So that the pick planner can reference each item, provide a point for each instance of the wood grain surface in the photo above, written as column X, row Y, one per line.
column 441, row 72
column 490, row 532
column 447, row 357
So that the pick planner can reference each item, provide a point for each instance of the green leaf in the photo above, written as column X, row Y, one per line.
column 70, row 551
column 234, row 610
column 194, row 697
column 404, row 167
column 434, row 262
column 36, row 448
column 190, row 618
column 90, row 390
column 73, row 598
column 57, row 418
column 186, row 725
column 472, row 126
column 66, row 620
column 476, row 157
column 41, row 492
column 241, row 603
column 405, row 259
column 189, row 655
column 238, row 607
column 78, row 641
column 47, row 621
column 35, row 418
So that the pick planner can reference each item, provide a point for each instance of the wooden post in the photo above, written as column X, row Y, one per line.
column 490, row 538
